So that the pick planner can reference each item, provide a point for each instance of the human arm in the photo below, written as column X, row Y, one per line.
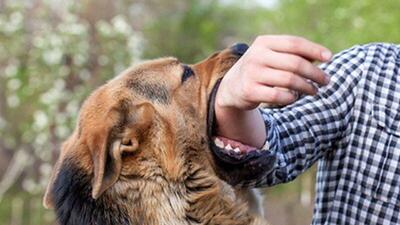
column 302, row 132
column 270, row 62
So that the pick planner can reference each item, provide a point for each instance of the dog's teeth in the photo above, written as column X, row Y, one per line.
column 229, row 147
column 237, row 150
column 219, row 143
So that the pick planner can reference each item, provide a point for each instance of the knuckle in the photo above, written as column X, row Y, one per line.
column 257, row 40
column 260, row 39
column 285, row 36
column 295, row 42
column 245, row 61
column 316, row 52
column 250, row 58
column 311, row 89
column 268, row 72
column 290, row 80
column 246, row 91
column 248, row 70
column 315, row 74
column 292, row 39
column 273, row 95
column 246, row 95
column 298, row 64
column 296, row 39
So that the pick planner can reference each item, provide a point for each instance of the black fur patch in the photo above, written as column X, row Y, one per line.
column 74, row 204
column 152, row 91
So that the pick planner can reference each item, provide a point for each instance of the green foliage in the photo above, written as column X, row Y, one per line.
column 339, row 24
column 196, row 30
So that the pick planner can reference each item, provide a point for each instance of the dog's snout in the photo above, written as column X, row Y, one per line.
column 239, row 48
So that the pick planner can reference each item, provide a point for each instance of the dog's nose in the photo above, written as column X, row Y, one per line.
column 239, row 48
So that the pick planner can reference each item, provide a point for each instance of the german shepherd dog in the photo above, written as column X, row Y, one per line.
column 143, row 152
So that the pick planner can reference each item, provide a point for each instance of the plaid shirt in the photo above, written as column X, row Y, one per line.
column 352, row 126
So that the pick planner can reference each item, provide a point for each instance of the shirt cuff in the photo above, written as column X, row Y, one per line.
column 272, row 141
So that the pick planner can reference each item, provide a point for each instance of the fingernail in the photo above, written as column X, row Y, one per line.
column 315, row 88
column 327, row 79
column 326, row 55
column 295, row 94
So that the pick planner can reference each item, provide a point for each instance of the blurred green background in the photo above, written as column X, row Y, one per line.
column 54, row 52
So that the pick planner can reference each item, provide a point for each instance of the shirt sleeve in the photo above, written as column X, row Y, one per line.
column 303, row 132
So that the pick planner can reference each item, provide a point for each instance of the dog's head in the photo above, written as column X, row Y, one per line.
column 147, row 123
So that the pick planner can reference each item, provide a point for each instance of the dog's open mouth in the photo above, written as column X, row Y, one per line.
column 232, row 147
column 237, row 162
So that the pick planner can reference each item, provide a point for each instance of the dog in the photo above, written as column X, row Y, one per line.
column 144, row 152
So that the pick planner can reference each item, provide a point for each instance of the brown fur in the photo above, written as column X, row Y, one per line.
column 140, row 155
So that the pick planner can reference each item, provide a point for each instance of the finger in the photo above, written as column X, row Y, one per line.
column 285, row 79
column 265, row 94
column 295, row 64
column 298, row 46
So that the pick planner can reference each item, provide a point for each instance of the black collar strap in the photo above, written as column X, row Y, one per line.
column 211, row 125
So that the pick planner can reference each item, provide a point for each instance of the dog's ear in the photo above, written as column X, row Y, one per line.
column 107, row 161
column 118, row 133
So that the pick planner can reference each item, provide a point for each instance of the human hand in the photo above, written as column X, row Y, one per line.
column 273, row 70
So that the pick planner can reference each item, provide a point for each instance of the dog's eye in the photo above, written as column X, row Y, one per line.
column 187, row 72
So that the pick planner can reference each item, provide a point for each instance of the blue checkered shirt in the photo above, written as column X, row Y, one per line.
column 352, row 128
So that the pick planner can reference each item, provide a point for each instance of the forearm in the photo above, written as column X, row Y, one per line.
column 303, row 132
column 248, row 126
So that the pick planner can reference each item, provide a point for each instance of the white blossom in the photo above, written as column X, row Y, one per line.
column 52, row 56
column 11, row 70
column 13, row 101
column 40, row 120
column 120, row 25
column 13, row 84
column 84, row 74
column 62, row 132
column 104, row 28
column 41, row 139
column 103, row 60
